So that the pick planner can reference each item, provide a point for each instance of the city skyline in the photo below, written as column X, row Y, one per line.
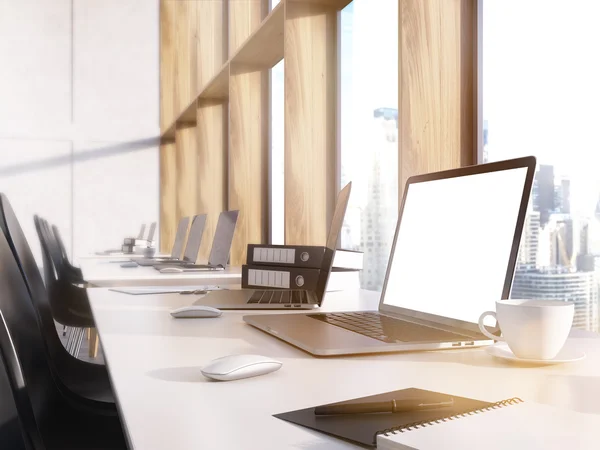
column 558, row 257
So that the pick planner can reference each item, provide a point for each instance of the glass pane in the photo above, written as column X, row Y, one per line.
column 540, row 96
column 277, row 155
column 369, row 131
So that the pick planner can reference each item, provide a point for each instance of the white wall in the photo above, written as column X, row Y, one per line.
column 79, row 117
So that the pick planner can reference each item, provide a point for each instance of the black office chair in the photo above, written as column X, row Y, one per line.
column 74, row 272
column 87, row 382
column 69, row 302
column 50, row 418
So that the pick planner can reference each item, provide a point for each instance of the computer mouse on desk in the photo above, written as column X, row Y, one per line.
column 196, row 312
column 236, row 367
column 171, row 270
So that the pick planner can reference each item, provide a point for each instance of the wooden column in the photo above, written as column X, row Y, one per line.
column 248, row 134
column 168, row 196
column 212, row 39
column 212, row 115
column 186, row 142
column 185, row 55
column 167, row 64
column 212, row 166
column 245, row 17
column 310, row 57
column 437, row 86
column 248, row 159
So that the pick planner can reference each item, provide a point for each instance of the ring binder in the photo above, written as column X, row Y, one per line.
column 426, row 423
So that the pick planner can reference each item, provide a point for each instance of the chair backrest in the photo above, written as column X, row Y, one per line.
column 11, row 433
column 38, row 295
column 49, row 273
column 61, row 244
column 23, row 349
column 53, row 250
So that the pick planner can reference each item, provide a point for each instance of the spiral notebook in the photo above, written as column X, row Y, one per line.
column 508, row 424
column 364, row 428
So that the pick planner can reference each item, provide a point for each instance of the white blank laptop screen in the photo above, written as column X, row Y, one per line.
column 453, row 246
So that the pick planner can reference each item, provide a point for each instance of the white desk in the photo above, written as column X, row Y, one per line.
column 115, row 256
column 155, row 362
column 103, row 273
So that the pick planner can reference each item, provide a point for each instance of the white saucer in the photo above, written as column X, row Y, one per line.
column 566, row 355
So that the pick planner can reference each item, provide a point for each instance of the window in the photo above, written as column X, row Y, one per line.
column 541, row 96
column 277, row 166
column 369, row 131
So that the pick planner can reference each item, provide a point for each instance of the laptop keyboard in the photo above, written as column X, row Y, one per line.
column 386, row 329
column 281, row 297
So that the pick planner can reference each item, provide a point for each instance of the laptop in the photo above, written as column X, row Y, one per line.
column 151, row 232
column 190, row 254
column 453, row 255
column 289, row 299
column 176, row 250
column 219, row 252
column 141, row 233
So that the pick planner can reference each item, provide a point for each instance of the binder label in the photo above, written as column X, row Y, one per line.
column 269, row 278
column 274, row 255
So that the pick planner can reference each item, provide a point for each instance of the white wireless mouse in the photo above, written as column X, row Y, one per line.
column 236, row 367
column 171, row 270
column 196, row 311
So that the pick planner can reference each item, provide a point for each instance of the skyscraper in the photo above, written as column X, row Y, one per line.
column 561, row 284
column 378, row 219
column 530, row 241
column 543, row 193
column 565, row 196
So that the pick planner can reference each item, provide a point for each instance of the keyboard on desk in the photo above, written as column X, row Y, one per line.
column 281, row 297
column 386, row 329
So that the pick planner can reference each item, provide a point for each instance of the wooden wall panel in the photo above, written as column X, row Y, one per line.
column 212, row 166
column 245, row 17
column 212, row 39
column 167, row 64
column 248, row 159
column 437, row 85
column 185, row 56
column 310, row 56
column 168, row 196
column 186, row 142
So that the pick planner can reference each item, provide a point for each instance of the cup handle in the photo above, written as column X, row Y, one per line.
column 484, row 330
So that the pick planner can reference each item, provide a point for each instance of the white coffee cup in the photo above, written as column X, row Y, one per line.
column 533, row 329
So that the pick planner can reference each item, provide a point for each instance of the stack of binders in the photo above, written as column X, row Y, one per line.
column 292, row 266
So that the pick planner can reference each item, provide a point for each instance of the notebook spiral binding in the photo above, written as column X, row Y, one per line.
column 423, row 424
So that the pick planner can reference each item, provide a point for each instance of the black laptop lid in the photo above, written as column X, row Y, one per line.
column 194, row 238
column 334, row 231
column 180, row 237
column 221, row 246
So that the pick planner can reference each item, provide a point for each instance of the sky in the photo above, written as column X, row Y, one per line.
column 541, row 87
column 369, row 80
